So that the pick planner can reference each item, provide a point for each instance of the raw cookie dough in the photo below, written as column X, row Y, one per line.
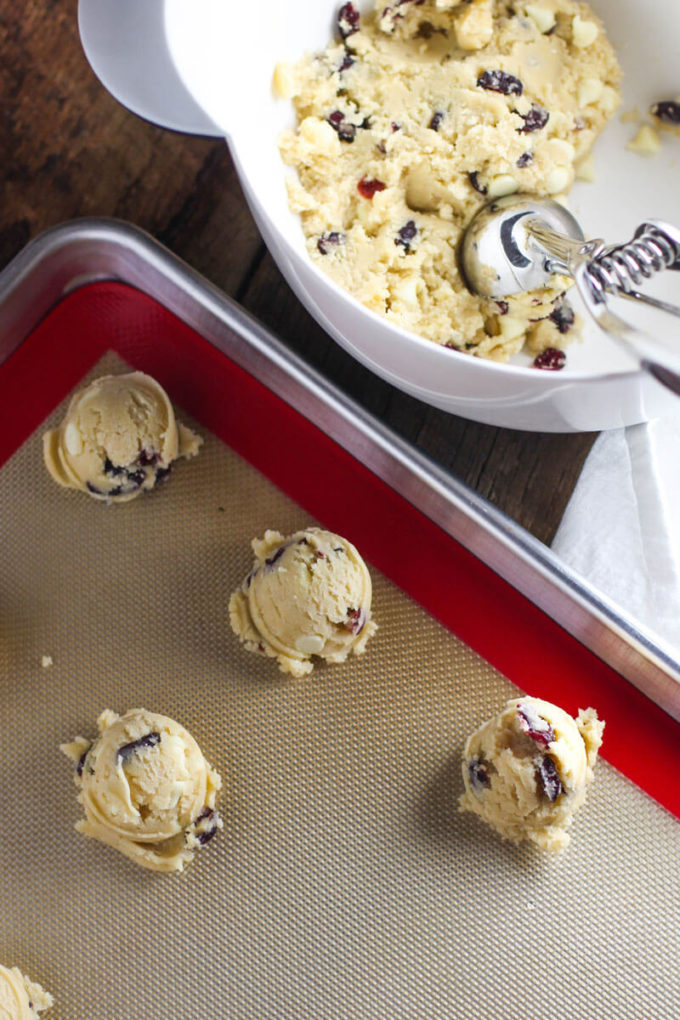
column 21, row 999
column 146, row 789
column 527, row 769
column 423, row 111
column 119, row 438
column 306, row 595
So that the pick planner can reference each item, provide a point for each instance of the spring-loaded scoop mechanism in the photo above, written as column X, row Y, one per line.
column 518, row 242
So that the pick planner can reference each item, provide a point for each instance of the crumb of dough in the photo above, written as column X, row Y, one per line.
column 46, row 661
column 21, row 998
column 307, row 596
column 119, row 438
column 646, row 141
column 526, row 770
column 146, row 789
column 418, row 114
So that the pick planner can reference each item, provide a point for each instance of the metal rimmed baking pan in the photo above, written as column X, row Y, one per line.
column 344, row 883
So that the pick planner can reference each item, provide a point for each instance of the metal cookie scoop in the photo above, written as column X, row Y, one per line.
column 518, row 242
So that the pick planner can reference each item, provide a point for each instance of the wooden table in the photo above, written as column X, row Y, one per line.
column 68, row 150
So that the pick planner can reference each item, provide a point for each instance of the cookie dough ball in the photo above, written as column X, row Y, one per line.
column 526, row 770
column 21, row 999
column 307, row 595
column 146, row 789
column 119, row 438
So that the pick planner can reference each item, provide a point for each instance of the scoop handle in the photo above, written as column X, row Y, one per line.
column 125, row 44
column 598, row 270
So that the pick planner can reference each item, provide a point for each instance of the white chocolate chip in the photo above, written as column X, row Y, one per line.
column 474, row 27
column 407, row 291
column 609, row 100
column 309, row 644
column 558, row 180
column 319, row 136
column 560, row 150
column 589, row 91
column 502, row 184
column 511, row 327
column 284, row 80
column 73, row 439
column 646, row 142
column 542, row 17
column 583, row 33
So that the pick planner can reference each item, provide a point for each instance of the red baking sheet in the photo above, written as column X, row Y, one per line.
column 458, row 589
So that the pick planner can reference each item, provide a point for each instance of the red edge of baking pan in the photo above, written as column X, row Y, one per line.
column 487, row 613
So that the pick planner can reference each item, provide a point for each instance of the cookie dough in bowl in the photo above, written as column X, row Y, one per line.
column 146, row 789
column 306, row 596
column 119, row 438
column 412, row 118
column 21, row 998
column 526, row 770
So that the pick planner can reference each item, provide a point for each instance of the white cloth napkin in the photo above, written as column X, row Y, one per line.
column 621, row 528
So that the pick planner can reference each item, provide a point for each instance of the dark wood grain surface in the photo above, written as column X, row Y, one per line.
column 68, row 150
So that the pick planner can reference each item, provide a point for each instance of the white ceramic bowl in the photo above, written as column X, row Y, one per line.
column 206, row 66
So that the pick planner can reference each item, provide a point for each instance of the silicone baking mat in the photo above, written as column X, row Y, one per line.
column 345, row 883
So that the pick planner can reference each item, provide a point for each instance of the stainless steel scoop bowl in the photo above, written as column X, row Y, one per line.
column 517, row 243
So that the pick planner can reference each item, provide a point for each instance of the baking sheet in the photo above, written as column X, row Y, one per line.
column 345, row 883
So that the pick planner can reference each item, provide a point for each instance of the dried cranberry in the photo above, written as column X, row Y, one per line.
column 127, row 750
column 501, row 81
column 347, row 61
column 534, row 725
column 406, row 235
column 503, row 307
column 551, row 359
column 436, row 120
column 346, row 130
column 563, row 316
column 534, row 120
column 276, row 557
column 112, row 469
column 329, row 241
column 356, row 620
column 81, row 762
column 474, row 181
column 478, row 775
column 137, row 478
column 668, row 111
column 147, row 458
column 524, row 160
column 207, row 834
column 548, row 777
column 348, row 20
column 368, row 187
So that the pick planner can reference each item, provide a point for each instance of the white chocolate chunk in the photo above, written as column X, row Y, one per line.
column 583, row 32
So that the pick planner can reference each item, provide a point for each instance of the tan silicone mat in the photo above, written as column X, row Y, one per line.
column 345, row 884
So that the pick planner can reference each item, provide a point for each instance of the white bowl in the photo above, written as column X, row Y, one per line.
column 206, row 66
